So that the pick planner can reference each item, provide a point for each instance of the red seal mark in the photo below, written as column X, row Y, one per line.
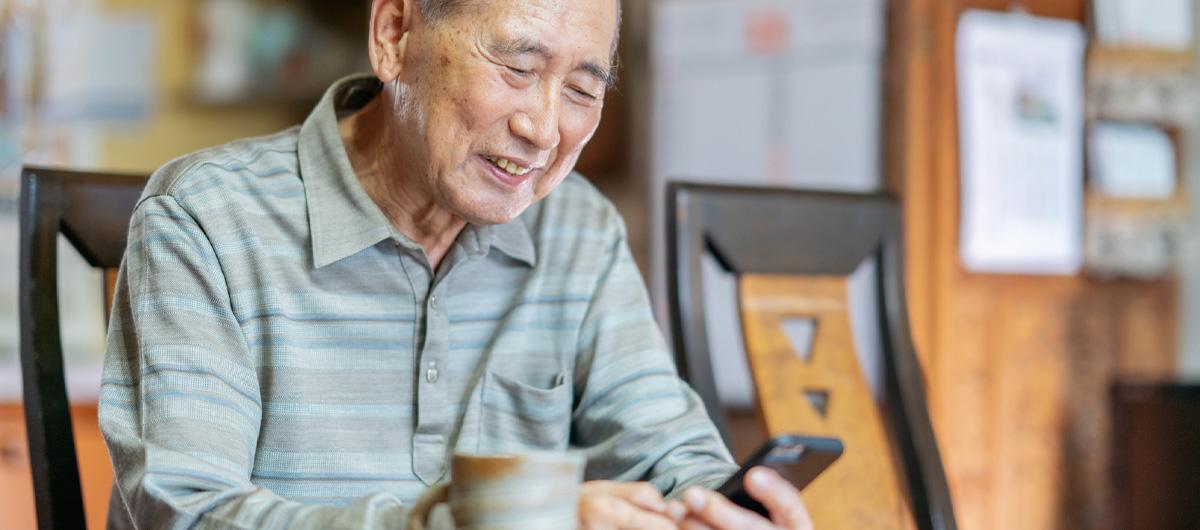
column 767, row 31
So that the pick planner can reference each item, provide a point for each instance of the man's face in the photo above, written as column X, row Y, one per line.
column 498, row 99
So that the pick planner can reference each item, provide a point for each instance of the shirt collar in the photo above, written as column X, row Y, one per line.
column 343, row 220
column 514, row 237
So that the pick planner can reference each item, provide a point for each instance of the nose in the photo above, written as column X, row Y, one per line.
column 537, row 122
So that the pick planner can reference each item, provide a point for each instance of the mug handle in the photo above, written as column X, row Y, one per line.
column 418, row 516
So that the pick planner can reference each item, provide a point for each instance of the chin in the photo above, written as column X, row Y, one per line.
column 485, row 203
column 492, row 219
column 491, row 212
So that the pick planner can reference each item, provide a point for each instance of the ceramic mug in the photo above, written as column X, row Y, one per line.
column 525, row 491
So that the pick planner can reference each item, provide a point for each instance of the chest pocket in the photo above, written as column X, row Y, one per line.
column 518, row 416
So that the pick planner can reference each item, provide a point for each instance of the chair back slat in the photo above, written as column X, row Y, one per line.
column 818, row 388
column 92, row 210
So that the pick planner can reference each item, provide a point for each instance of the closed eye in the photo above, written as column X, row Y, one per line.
column 583, row 96
column 520, row 72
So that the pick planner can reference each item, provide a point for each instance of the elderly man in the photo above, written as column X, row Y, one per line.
column 308, row 324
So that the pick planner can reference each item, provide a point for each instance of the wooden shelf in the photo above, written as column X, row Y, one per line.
column 1139, row 60
column 1178, row 205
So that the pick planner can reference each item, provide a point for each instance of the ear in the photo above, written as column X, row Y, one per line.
column 391, row 21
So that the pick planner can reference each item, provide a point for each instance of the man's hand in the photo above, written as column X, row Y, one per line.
column 709, row 510
column 607, row 505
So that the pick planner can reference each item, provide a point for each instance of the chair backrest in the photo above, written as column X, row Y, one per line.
column 792, row 252
column 92, row 210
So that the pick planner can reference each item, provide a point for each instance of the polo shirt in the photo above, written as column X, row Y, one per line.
column 280, row 355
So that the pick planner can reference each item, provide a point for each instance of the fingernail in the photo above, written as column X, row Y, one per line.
column 759, row 478
column 695, row 499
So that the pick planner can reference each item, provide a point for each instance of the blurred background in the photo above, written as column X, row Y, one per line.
column 1044, row 152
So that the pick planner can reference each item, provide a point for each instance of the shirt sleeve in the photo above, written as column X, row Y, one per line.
column 180, row 408
column 634, row 417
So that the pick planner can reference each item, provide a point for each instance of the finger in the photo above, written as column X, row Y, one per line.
column 715, row 510
column 641, row 494
column 612, row 512
column 693, row 524
column 677, row 510
column 633, row 517
column 644, row 495
column 779, row 496
column 596, row 510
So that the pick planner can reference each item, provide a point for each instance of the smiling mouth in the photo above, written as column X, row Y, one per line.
column 507, row 166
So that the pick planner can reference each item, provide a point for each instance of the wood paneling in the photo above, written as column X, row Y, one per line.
column 1018, row 366
column 781, row 379
column 1023, row 383
column 16, row 483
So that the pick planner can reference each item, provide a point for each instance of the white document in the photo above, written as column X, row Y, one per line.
column 1020, row 102
column 1132, row 161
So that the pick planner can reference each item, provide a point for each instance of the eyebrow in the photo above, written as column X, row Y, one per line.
column 522, row 46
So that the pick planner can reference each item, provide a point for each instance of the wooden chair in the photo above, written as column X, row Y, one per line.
column 792, row 252
column 92, row 210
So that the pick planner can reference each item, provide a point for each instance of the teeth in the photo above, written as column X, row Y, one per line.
column 512, row 168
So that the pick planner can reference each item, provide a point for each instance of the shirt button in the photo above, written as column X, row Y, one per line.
column 431, row 375
column 433, row 301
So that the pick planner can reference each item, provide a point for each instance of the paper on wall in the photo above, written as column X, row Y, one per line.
column 1020, row 100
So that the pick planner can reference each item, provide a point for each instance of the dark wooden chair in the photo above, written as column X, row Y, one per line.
column 792, row 252
column 92, row 210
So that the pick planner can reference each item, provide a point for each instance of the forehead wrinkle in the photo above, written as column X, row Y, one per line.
column 526, row 45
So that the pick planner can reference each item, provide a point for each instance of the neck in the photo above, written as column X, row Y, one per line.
column 400, row 192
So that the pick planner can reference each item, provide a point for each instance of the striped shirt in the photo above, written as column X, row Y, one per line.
column 279, row 355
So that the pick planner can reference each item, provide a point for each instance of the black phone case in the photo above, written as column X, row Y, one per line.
column 818, row 454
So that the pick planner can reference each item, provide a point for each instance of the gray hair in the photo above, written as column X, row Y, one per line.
column 438, row 10
column 434, row 10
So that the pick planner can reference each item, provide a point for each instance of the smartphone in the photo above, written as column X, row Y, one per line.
column 797, row 458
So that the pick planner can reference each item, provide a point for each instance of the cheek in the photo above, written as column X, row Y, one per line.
column 551, row 181
column 577, row 128
column 575, row 131
column 462, row 109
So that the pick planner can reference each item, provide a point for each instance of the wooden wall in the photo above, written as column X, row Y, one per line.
column 1018, row 366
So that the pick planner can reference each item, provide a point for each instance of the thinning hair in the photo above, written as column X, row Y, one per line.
column 436, row 10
